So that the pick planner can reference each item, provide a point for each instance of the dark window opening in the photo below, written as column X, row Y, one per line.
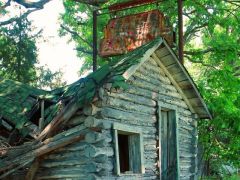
column 129, row 152
column 123, row 145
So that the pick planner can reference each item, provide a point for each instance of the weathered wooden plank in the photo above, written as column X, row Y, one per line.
column 117, row 164
column 154, row 81
column 156, row 72
column 92, row 151
column 200, row 110
column 94, row 137
column 127, row 105
column 32, row 170
column 136, row 123
column 63, row 116
column 81, row 172
column 76, row 120
column 164, row 144
column 133, row 98
column 162, row 52
column 19, row 166
column 151, row 147
column 48, row 146
column 176, row 102
column 196, row 103
column 191, row 150
column 186, row 128
column 92, row 122
column 6, row 125
column 144, row 83
column 167, row 60
column 133, row 68
column 151, row 66
column 66, row 163
column 179, row 76
column 184, row 85
column 90, row 109
column 174, row 83
column 135, row 154
column 153, row 95
column 126, row 115
column 182, row 112
column 173, row 68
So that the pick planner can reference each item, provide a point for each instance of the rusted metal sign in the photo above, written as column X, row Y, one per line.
column 130, row 32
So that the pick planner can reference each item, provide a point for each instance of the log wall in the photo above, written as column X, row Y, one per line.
column 93, row 157
column 90, row 158
column 137, row 106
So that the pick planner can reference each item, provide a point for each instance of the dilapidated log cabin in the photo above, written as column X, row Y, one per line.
column 134, row 118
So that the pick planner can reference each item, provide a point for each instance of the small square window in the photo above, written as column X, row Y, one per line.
column 128, row 150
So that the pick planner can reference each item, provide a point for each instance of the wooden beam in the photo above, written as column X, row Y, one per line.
column 128, row 73
column 41, row 120
column 162, row 52
column 190, row 80
column 173, row 82
column 167, row 60
column 63, row 116
column 58, row 141
column 6, row 125
column 32, row 170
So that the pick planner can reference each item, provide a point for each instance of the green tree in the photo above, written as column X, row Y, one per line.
column 18, row 52
column 18, row 55
column 46, row 79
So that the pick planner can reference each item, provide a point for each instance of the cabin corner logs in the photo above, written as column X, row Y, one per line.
column 127, row 33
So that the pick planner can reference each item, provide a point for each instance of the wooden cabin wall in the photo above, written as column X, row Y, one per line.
column 137, row 106
column 87, row 159
column 93, row 157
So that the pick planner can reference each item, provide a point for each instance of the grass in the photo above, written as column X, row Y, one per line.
column 226, row 177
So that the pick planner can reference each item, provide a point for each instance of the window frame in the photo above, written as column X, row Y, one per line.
column 168, row 107
column 128, row 130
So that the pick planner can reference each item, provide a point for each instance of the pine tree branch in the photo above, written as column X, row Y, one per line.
column 11, row 20
column 205, row 51
column 74, row 33
column 199, row 51
column 199, row 62
column 32, row 4
column 83, row 50
column 191, row 31
column 92, row 2
column 8, row 3
column 236, row 3
column 36, row 34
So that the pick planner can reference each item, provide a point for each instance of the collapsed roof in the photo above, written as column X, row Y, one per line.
column 19, row 102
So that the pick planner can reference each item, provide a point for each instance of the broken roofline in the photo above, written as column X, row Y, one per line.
column 122, row 68
column 134, row 59
column 86, row 91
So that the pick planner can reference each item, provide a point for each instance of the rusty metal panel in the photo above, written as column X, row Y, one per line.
column 130, row 32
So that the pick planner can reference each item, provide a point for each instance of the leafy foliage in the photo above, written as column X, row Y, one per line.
column 46, row 79
column 18, row 56
column 18, row 52
column 219, row 57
